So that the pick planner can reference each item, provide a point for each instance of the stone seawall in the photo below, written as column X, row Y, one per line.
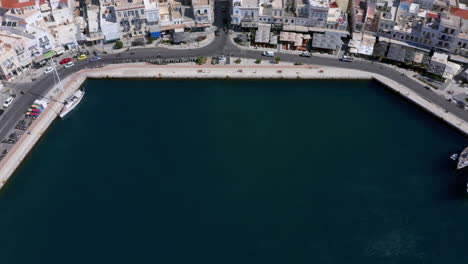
column 145, row 71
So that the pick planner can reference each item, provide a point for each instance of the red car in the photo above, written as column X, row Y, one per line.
column 65, row 60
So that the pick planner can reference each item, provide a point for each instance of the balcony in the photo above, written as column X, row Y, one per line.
column 247, row 19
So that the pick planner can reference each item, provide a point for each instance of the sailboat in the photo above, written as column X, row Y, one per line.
column 72, row 101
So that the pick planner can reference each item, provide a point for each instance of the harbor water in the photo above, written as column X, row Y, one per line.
column 217, row 171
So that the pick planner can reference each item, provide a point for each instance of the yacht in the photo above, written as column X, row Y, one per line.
column 72, row 102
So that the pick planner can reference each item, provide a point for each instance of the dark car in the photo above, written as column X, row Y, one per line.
column 1, row 111
column 217, row 33
column 427, row 87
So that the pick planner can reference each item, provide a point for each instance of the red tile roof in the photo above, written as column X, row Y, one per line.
column 463, row 13
column 15, row 4
column 433, row 15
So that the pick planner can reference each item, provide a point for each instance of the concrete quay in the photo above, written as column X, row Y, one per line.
column 149, row 71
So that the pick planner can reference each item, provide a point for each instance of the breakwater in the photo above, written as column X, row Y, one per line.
column 146, row 71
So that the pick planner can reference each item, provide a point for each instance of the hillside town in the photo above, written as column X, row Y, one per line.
column 32, row 32
column 427, row 36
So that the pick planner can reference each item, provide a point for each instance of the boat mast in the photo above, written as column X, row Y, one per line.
column 58, row 77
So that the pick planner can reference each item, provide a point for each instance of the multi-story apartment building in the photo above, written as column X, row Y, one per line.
column 203, row 11
column 131, row 17
column 306, row 13
column 9, row 64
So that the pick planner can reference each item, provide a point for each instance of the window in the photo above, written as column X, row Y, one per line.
column 142, row 11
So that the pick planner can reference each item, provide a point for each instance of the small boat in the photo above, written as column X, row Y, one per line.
column 454, row 156
column 72, row 102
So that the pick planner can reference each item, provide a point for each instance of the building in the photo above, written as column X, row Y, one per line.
column 131, row 18
column 9, row 65
column 203, row 11
column 328, row 40
column 437, row 64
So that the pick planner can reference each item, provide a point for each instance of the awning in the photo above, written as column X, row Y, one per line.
column 263, row 33
column 39, row 59
column 50, row 54
column 59, row 50
column 155, row 34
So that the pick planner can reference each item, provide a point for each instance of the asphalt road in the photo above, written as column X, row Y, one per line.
column 219, row 46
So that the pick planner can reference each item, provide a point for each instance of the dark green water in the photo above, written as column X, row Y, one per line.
column 238, row 172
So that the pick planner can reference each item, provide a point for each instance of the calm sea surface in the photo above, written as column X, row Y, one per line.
column 238, row 172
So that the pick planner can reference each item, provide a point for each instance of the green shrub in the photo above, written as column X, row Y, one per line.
column 238, row 61
column 277, row 60
column 118, row 44
column 258, row 61
column 298, row 63
column 201, row 60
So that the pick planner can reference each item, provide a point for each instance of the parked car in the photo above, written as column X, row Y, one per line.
column 65, row 60
column 217, row 33
column 82, row 57
column 69, row 64
column 305, row 54
column 268, row 54
column 1, row 111
column 8, row 102
column 346, row 58
column 427, row 87
column 48, row 70
column 95, row 58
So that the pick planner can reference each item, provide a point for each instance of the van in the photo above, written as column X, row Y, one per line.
column 268, row 54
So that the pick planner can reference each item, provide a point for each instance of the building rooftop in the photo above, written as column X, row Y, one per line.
column 200, row 2
column 249, row 3
column 17, row 3
column 439, row 57
column 463, row 13
column 319, row 3
column 451, row 21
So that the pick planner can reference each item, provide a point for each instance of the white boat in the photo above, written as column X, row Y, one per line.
column 72, row 102
column 454, row 156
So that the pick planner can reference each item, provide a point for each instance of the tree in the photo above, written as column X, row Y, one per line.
column 258, row 61
column 238, row 61
column 151, row 39
column 118, row 44
column 201, row 60
column 277, row 60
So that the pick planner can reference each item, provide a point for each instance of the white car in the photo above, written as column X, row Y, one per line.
column 8, row 102
column 48, row 70
column 268, row 54
column 69, row 64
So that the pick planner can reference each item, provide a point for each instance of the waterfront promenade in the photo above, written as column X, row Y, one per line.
column 145, row 71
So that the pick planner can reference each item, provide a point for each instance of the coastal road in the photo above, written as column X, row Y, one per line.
column 220, row 45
